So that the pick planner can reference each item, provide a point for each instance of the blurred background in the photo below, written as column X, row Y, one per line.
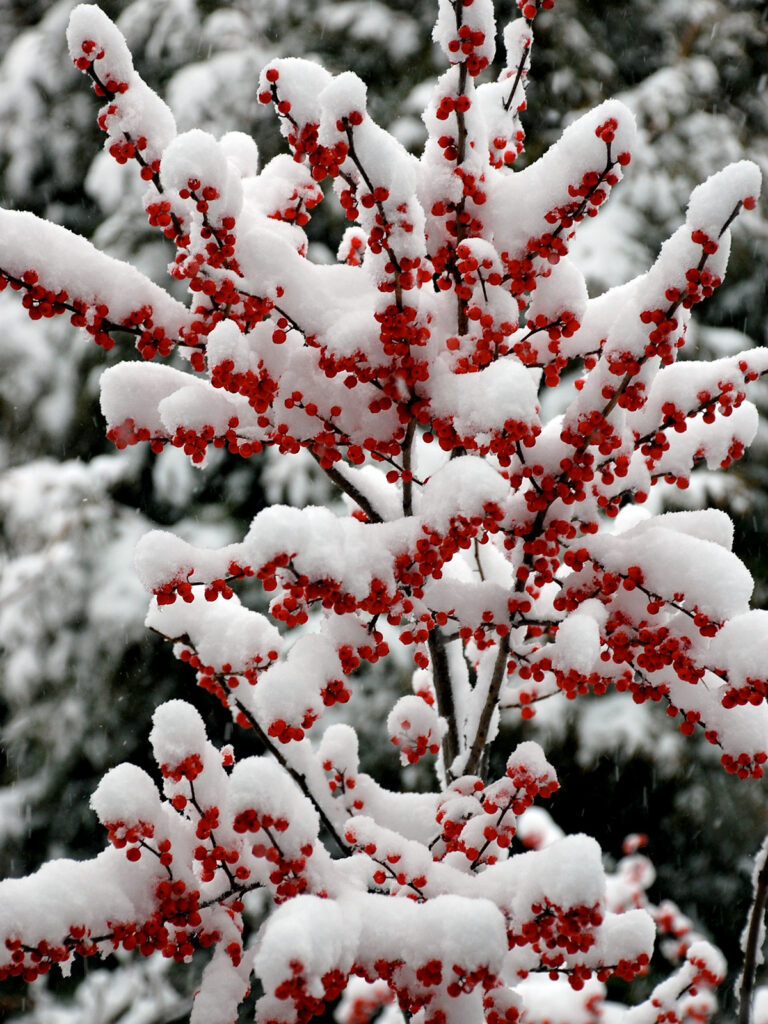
column 79, row 674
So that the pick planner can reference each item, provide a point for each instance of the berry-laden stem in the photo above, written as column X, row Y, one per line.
column 670, row 312
column 462, row 319
column 155, row 179
column 353, row 156
column 222, row 863
column 296, row 775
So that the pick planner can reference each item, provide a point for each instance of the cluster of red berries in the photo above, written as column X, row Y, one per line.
column 188, row 768
column 530, row 8
column 753, row 691
column 552, row 927
column 414, row 745
column 465, row 46
column 177, row 909
column 39, row 302
column 91, row 52
column 123, row 835
column 304, row 1003
column 745, row 766
column 341, row 781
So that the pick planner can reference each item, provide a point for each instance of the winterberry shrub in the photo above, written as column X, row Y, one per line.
column 496, row 433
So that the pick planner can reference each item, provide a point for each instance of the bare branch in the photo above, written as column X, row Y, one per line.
column 754, row 936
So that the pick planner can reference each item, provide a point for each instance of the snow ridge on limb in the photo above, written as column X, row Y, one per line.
column 139, row 125
column 533, row 213
column 503, row 101
column 494, row 542
column 59, row 272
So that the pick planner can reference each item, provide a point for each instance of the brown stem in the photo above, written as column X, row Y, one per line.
column 477, row 749
column 478, row 563
column 520, row 70
column 461, row 139
column 352, row 492
column 237, row 889
column 441, row 677
column 407, row 474
column 754, row 935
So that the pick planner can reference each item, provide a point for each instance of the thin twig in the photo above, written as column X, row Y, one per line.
column 350, row 490
column 481, row 736
column 407, row 471
column 441, row 677
column 754, row 939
